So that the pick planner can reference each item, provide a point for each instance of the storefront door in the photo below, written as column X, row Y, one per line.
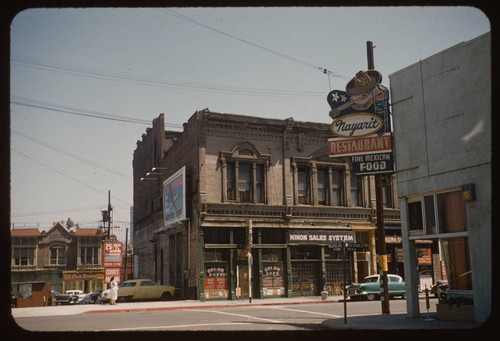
column 242, row 279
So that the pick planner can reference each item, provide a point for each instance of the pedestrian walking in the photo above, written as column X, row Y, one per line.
column 113, row 292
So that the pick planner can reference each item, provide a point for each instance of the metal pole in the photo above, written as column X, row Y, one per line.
column 344, row 284
column 384, row 293
column 126, row 254
column 250, row 260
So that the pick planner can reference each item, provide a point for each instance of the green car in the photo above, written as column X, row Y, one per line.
column 369, row 288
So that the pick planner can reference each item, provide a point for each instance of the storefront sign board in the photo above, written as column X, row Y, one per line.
column 320, row 236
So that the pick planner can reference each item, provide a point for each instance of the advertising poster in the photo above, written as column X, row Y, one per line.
column 112, row 254
column 174, row 191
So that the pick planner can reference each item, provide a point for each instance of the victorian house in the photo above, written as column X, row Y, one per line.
column 67, row 259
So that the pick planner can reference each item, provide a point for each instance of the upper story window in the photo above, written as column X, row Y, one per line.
column 89, row 251
column 437, row 213
column 356, row 190
column 303, row 186
column 24, row 251
column 244, row 174
column 322, row 183
column 58, row 255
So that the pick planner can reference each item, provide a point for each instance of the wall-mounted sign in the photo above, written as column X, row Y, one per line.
column 320, row 236
column 347, row 146
column 372, row 163
column 110, row 273
column 174, row 192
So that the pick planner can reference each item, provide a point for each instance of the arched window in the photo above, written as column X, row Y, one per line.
column 244, row 174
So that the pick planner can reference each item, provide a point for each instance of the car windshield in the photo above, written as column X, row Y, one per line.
column 370, row 279
column 128, row 284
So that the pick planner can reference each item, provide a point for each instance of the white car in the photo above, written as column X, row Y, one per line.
column 76, row 295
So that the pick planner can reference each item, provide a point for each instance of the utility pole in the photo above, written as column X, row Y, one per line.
column 106, row 216
column 384, row 293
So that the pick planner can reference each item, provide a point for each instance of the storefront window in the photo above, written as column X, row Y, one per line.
column 455, row 253
column 415, row 216
column 451, row 212
column 430, row 216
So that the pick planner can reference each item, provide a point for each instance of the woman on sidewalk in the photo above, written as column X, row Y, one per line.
column 113, row 292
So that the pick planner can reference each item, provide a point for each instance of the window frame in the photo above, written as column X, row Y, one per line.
column 245, row 154
column 436, row 231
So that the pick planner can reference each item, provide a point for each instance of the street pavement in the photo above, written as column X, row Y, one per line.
column 379, row 321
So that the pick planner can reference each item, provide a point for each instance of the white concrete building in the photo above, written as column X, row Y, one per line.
column 442, row 139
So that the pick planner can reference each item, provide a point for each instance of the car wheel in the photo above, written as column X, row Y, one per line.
column 166, row 296
column 371, row 297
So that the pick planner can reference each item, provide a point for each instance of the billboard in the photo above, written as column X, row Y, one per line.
column 174, row 197
column 112, row 254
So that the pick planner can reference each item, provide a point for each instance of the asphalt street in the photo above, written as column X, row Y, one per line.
column 297, row 314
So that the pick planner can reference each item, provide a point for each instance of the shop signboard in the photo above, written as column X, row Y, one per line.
column 110, row 273
column 361, row 124
column 372, row 163
column 112, row 254
column 174, row 192
column 323, row 237
column 338, row 147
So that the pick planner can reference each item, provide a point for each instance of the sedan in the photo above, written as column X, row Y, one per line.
column 90, row 298
column 369, row 288
column 58, row 298
column 144, row 289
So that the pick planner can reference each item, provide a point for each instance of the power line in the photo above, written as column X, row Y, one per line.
column 279, row 54
column 32, row 103
column 144, row 80
column 74, row 156
column 66, row 175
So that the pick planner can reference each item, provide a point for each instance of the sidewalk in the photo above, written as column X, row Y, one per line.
column 379, row 321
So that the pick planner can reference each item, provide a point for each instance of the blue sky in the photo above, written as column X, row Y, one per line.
column 70, row 68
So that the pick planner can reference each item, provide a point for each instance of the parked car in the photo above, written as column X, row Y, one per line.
column 439, row 288
column 369, row 288
column 58, row 298
column 144, row 289
column 90, row 298
column 76, row 295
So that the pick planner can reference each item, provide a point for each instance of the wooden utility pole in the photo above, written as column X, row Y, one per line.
column 384, row 293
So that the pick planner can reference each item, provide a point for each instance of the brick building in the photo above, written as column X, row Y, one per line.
column 240, row 171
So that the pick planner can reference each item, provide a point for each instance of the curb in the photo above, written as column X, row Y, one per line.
column 203, row 307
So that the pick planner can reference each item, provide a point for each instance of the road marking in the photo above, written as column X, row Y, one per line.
column 239, row 315
column 177, row 326
column 305, row 311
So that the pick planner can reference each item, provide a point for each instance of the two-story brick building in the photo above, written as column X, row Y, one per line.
column 237, row 171
column 67, row 259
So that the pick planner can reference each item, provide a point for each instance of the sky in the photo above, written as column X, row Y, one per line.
column 85, row 83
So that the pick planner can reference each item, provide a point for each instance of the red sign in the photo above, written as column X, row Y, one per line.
column 111, row 272
column 112, row 254
column 338, row 147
